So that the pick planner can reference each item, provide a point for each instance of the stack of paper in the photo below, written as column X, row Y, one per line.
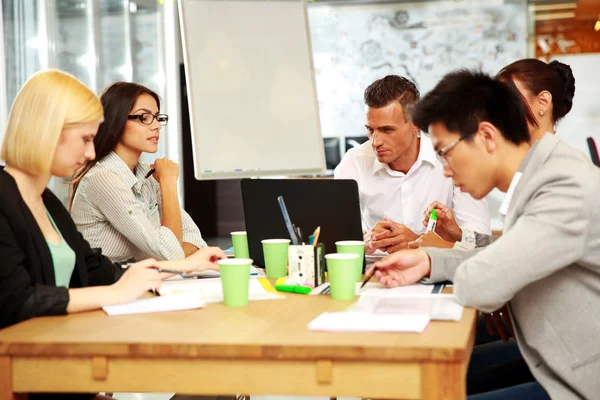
column 365, row 322
column 184, row 301
column 211, row 290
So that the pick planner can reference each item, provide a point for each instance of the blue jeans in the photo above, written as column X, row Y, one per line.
column 524, row 391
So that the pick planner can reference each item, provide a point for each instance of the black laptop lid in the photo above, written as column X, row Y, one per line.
column 331, row 204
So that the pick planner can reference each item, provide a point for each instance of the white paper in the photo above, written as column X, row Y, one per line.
column 211, row 290
column 184, row 301
column 378, row 288
column 381, row 290
column 214, row 274
column 436, row 306
column 364, row 322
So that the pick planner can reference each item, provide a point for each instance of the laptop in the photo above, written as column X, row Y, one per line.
column 331, row 204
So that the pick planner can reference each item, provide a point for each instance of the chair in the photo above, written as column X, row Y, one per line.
column 593, row 151
column 332, row 152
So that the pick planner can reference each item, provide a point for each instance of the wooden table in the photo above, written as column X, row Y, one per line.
column 264, row 348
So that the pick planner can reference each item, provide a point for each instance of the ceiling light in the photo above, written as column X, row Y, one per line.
column 548, row 16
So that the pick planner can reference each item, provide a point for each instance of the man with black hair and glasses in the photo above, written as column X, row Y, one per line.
column 546, row 265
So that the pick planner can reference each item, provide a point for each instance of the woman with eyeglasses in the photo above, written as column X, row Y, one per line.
column 126, row 207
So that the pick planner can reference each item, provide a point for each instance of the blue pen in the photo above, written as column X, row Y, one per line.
column 288, row 221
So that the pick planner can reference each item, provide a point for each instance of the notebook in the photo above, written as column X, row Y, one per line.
column 183, row 301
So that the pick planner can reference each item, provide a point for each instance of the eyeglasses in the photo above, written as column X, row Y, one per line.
column 443, row 152
column 148, row 119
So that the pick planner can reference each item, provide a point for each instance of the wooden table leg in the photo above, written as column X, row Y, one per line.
column 6, row 392
column 443, row 381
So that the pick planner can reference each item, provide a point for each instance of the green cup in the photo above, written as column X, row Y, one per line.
column 276, row 257
column 353, row 247
column 240, row 244
column 341, row 269
column 235, row 278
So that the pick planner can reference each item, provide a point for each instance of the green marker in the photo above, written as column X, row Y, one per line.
column 293, row 289
column 432, row 221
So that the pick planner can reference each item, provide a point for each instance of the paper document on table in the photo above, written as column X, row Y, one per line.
column 184, row 301
column 378, row 288
column 365, row 322
column 436, row 306
column 381, row 290
column 211, row 290
column 375, row 256
column 255, row 272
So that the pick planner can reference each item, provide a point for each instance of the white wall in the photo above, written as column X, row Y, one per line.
column 584, row 119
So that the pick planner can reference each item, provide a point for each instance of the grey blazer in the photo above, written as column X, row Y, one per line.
column 546, row 266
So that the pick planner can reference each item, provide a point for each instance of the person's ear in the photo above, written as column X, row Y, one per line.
column 488, row 134
column 414, row 129
column 544, row 103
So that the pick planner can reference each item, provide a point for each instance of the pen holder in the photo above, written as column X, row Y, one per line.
column 307, row 263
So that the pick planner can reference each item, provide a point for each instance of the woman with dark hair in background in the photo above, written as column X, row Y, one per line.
column 126, row 207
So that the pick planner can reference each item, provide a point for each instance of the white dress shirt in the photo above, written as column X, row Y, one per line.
column 404, row 197
column 121, row 213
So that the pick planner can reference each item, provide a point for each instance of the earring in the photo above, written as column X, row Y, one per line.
column 541, row 113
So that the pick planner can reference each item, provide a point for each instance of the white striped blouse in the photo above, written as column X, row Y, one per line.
column 121, row 213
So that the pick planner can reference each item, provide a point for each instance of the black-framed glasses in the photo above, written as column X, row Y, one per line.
column 443, row 152
column 148, row 119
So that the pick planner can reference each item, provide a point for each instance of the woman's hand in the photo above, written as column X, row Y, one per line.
column 137, row 279
column 204, row 259
column 166, row 170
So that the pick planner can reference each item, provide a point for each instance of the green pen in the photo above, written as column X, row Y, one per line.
column 432, row 221
column 293, row 289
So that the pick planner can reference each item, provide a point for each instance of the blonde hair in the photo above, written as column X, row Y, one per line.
column 48, row 102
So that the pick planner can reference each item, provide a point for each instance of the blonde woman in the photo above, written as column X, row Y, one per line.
column 47, row 267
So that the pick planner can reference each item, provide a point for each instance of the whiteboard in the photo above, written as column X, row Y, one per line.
column 251, row 88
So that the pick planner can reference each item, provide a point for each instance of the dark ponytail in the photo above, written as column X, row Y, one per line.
column 536, row 76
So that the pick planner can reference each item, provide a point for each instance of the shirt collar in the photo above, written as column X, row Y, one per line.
column 426, row 154
column 112, row 162
column 515, row 181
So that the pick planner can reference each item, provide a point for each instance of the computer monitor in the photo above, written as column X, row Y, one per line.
column 355, row 141
column 331, row 204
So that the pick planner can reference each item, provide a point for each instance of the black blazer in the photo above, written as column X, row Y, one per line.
column 27, row 285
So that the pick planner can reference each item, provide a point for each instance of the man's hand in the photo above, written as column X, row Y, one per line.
column 402, row 268
column 394, row 237
column 446, row 226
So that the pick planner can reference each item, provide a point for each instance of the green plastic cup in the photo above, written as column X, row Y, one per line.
column 341, row 269
column 240, row 244
column 235, row 278
column 353, row 247
column 276, row 257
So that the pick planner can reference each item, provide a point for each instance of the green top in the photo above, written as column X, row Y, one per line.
column 63, row 258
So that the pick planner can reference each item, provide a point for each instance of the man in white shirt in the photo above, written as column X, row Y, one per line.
column 398, row 173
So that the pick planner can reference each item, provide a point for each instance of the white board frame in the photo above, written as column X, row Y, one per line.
column 200, row 171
